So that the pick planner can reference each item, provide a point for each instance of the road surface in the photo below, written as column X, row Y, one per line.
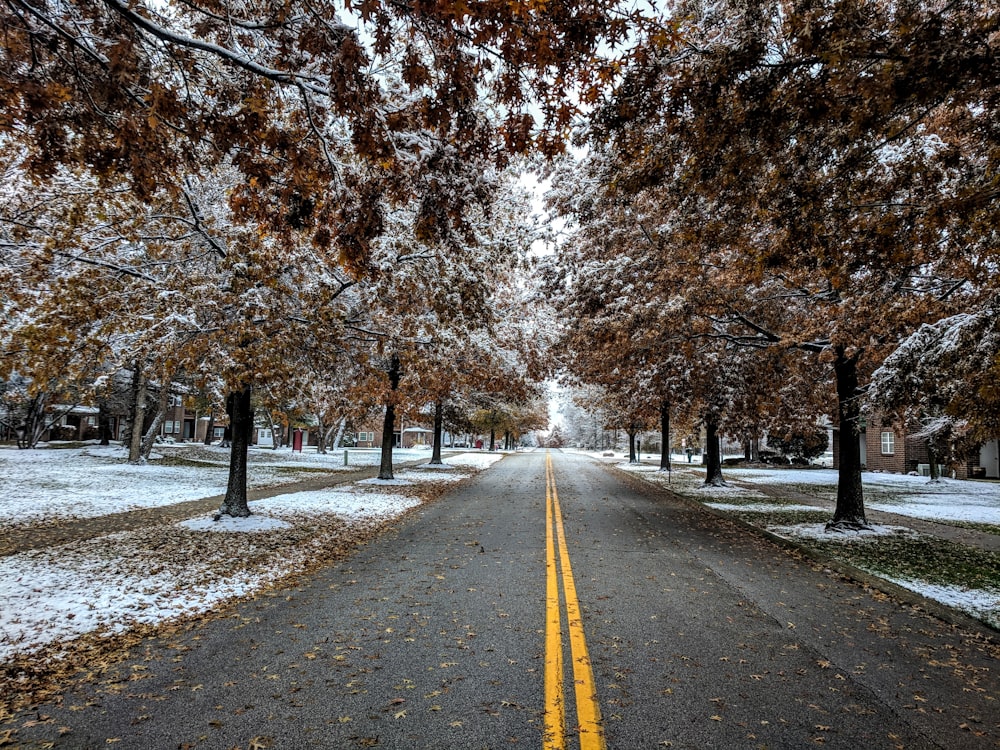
column 550, row 604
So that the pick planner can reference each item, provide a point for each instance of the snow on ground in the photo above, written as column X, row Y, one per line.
column 818, row 531
column 480, row 460
column 115, row 581
column 917, row 497
column 54, row 483
column 982, row 604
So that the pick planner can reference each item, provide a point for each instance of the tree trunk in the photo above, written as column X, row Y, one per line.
column 631, row 448
column 932, row 456
column 438, row 430
column 211, row 426
column 324, row 434
column 340, row 432
column 389, row 423
column 274, row 432
column 493, row 438
column 850, row 510
column 664, row 435
column 241, row 425
column 713, row 454
column 29, row 434
column 104, row 424
column 161, row 411
column 138, row 414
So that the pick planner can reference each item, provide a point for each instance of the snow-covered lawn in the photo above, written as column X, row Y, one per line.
column 57, row 483
column 944, row 500
column 113, row 582
column 965, row 579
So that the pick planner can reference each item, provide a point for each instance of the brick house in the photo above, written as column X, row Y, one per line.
column 408, row 436
column 885, row 447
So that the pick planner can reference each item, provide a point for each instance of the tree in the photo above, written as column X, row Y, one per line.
column 798, row 444
column 280, row 89
column 814, row 164
column 943, row 378
column 319, row 133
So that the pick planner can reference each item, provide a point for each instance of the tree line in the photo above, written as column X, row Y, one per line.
column 784, row 208
column 789, row 210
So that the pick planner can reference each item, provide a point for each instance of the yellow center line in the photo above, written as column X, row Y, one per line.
column 588, row 711
column 555, row 708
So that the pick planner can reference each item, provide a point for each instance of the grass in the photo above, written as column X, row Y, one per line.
column 292, row 470
column 783, row 517
column 190, row 462
column 920, row 557
column 986, row 528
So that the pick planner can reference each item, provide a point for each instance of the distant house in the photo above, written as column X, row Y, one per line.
column 406, row 435
column 76, row 423
column 413, row 437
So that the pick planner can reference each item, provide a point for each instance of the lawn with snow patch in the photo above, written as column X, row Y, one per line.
column 149, row 575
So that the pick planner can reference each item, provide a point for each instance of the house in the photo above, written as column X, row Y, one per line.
column 886, row 447
column 406, row 435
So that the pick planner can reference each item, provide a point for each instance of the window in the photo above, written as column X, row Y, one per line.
column 169, row 427
column 888, row 443
column 366, row 437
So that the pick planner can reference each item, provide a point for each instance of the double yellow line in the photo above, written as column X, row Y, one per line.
column 588, row 712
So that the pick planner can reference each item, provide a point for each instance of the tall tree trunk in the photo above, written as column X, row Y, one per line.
column 103, row 423
column 161, row 411
column 438, row 430
column 631, row 447
column 850, row 510
column 389, row 423
column 29, row 434
column 340, row 432
column 664, row 435
column 241, row 424
column 324, row 432
column 932, row 456
column 138, row 413
column 713, row 454
column 493, row 438
column 211, row 425
column 275, row 439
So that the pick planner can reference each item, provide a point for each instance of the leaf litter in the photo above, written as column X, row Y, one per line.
column 79, row 602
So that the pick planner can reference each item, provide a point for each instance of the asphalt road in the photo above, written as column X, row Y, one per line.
column 698, row 635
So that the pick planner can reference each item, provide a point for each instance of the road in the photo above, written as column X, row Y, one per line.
column 550, row 604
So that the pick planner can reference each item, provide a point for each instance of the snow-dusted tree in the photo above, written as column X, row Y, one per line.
column 182, row 282
column 943, row 377
column 274, row 86
column 432, row 309
column 822, row 171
